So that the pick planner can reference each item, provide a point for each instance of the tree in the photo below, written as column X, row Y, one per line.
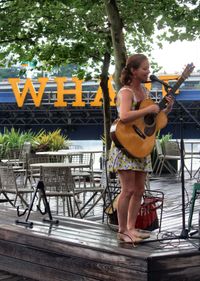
column 92, row 32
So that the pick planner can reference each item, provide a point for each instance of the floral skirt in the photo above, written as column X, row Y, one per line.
column 118, row 160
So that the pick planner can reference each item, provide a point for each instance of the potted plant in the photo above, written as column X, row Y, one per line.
column 11, row 142
column 51, row 141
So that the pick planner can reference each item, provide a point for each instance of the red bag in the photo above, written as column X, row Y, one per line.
column 147, row 218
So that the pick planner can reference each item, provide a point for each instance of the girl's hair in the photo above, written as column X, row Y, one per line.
column 134, row 62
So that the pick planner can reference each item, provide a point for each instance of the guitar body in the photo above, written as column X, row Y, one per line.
column 137, row 138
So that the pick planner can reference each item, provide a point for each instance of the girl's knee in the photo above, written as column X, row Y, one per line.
column 127, row 193
column 139, row 192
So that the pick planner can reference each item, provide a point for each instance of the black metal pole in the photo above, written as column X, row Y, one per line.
column 184, row 232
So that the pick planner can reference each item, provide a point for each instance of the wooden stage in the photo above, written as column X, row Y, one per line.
column 88, row 250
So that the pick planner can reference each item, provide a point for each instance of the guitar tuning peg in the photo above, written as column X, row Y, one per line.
column 191, row 65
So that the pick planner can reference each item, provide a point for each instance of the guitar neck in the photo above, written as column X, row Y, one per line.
column 177, row 85
column 187, row 71
column 162, row 104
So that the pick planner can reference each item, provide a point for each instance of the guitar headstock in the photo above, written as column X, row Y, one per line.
column 187, row 71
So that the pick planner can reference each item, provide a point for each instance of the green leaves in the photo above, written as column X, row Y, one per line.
column 77, row 31
column 41, row 141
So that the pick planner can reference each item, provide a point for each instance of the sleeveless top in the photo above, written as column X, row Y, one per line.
column 118, row 160
column 134, row 103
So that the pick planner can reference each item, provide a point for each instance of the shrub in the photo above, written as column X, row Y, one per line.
column 42, row 141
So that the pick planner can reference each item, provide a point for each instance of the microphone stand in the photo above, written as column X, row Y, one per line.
column 184, row 232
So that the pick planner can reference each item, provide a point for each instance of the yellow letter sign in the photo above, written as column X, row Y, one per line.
column 28, row 87
column 61, row 92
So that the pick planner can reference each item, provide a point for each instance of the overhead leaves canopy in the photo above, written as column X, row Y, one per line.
column 76, row 31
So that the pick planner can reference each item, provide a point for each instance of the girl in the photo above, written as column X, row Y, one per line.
column 132, row 171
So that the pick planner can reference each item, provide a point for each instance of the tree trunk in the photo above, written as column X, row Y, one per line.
column 117, row 35
column 106, row 101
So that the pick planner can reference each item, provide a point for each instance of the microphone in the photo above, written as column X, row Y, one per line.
column 156, row 79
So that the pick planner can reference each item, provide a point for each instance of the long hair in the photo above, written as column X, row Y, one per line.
column 133, row 62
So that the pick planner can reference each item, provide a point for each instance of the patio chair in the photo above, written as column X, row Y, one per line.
column 195, row 195
column 12, row 157
column 3, row 196
column 91, row 197
column 59, row 183
column 21, row 164
column 165, row 155
column 18, row 158
column 15, row 184
column 172, row 151
column 34, row 173
column 83, row 175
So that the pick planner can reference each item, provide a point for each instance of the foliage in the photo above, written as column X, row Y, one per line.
column 164, row 138
column 15, row 138
column 50, row 141
column 42, row 141
column 52, row 32
column 59, row 32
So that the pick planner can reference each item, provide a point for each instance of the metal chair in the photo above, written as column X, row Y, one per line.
column 59, row 183
column 14, row 183
column 34, row 173
column 12, row 157
column 195, row 195
column 92, row 196
column 165, row 154
column 83, row 175
column 162, row 160
column 21, row 164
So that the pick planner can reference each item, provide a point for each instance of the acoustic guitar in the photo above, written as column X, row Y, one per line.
column 137, row 138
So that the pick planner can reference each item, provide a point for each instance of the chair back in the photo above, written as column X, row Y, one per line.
column 171, row 148
column 25, row 154
column 13, row 155
column 35, row 171
column 57, row 179
column 82, row 158
column 8, row 179
column 26, row 148
column 158, row 147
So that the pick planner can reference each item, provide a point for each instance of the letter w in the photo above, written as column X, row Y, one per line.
column 28, row 87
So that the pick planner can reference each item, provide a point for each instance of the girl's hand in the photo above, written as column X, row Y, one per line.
column 154, row 108
column 170, row 103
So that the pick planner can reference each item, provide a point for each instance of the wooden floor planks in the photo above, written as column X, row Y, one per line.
column 88, row 250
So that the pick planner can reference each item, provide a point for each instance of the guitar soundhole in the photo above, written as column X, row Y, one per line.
column 149, row 119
